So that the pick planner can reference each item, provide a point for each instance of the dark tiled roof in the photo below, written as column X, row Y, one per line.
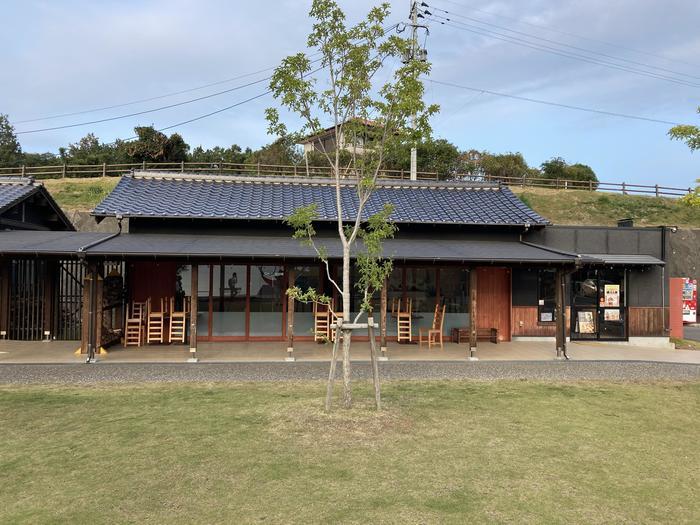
column 13, row 190
column 256, row 198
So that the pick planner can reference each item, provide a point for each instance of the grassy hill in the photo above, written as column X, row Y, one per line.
column 559, row 206
column 604, row 209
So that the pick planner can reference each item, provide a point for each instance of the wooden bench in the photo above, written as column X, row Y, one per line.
column 487, row 334
column 461, row 335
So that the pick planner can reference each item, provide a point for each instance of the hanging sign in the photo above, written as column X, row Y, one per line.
column 690, row 300
column 612, row 295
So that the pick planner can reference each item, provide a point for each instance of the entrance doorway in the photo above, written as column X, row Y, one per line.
column 493, row 300
column 599, row 305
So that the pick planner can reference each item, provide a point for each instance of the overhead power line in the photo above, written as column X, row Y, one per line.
column 142, row 100
column 563, row 44
column 167, row 95
column 555, row 104
column 570, row 34
column 215, row 112
column 555, row 51
column 144, row 112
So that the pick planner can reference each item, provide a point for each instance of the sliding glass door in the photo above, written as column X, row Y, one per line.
column 240, row 301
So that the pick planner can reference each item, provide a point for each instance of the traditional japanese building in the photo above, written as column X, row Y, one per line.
column 213, row 255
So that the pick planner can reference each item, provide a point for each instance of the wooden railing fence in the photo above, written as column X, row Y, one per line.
column 225, row 168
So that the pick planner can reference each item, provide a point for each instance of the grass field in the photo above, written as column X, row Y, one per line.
column 441, row 452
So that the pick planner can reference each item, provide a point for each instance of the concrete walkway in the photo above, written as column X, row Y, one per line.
column 62, row 352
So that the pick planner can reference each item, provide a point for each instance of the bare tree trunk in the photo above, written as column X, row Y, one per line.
column 375, row 365
column 331, row 374
column 347, row 334
column 347, row 390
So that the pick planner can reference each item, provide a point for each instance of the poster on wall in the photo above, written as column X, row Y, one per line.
column 612, row 295
column 585, row 323
column 612, row 314
column 690, row 300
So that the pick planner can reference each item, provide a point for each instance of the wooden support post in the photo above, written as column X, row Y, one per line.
column 49, row 299
column 560, row 314
column 382, row 321
column 375, row 364
column 194, row 290
column 624, row 188
column 656, row 190
column 104, row 169
column 473, row 282
column 63, row 170
column 4, row 298
column 182, row 166
column 290, row 318
column 91, row 306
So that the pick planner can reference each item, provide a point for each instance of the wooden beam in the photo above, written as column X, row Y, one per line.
column 50, row 276
column 194, row 303
column 559, row 314
column 4, row 297
column 290, row 316
column 473, row 283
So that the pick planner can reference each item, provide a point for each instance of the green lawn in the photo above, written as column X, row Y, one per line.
column 441, row 452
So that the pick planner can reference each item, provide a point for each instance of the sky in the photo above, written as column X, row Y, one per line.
column 75, row 56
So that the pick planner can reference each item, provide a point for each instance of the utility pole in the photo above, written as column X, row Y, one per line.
column 414, row 45
column 415, row 53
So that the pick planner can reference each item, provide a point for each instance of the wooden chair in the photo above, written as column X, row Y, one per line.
column 404, row 319
column 155, row 323
column 136, row 316
column 178, row 320
column 434, row 333
column 322, row 323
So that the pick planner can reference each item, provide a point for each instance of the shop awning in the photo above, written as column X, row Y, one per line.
column 47, row 242
column 623, row 259
column 190, row 246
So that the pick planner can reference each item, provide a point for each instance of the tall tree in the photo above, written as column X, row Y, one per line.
column 434, row 155
column 687, row 133
column 10, row 149
column 691, row 136
column 152, row 145
column 360, row 111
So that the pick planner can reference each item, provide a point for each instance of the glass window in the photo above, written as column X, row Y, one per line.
column 454, row 290
column 267, row 295
column 305, row 277
column 422, row 290
column 203, row 300
column 546, row 298
column 229, row 290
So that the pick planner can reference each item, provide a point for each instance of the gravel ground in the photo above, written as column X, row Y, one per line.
column 75, row 374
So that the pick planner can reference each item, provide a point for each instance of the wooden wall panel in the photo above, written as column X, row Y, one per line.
column 528, row 316
column 646, row 321
column 152, row 279
column 493, row 300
